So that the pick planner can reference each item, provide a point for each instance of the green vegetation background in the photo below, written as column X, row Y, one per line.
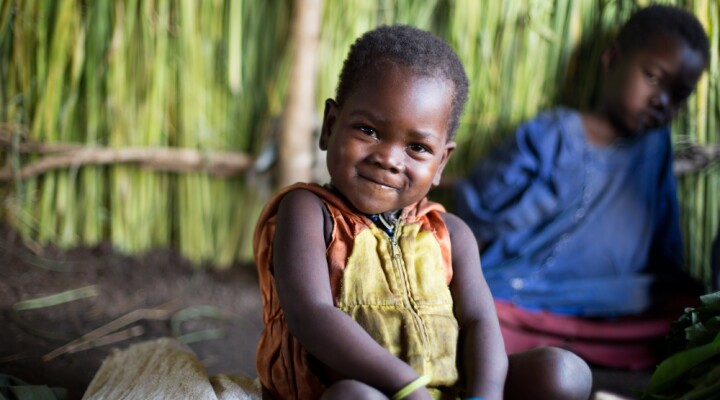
column 212, row 75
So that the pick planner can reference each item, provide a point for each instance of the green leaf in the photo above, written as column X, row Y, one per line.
column 58, row 298
column 670, row 371
column 706, row 388
column 711, row 301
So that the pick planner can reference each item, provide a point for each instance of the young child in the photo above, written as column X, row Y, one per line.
column 578, row 214
column 370, row 291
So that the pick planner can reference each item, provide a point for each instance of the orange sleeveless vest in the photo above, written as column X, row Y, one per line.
column 395, row 288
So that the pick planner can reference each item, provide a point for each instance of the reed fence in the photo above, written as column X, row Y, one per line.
column 152, row 123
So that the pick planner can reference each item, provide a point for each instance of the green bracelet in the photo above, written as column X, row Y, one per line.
column 422, row 380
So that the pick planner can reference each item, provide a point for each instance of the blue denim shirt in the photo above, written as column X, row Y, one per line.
column 570, row 227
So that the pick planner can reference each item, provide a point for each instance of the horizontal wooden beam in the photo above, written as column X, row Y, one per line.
column 72, row 155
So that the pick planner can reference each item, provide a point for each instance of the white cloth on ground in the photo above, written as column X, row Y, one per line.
column 165, row 369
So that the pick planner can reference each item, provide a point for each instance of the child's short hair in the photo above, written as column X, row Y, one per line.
column 420, row 50
column 655, row 20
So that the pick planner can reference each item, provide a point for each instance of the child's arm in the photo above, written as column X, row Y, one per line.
column 521, row 182
column 485, row 362
column 303, row 285
column 666, row 247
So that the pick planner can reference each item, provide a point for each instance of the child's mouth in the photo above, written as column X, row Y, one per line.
column 652, row 120
column 378, row 182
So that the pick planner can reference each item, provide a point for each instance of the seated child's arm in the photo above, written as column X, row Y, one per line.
column 666, row 249
column 485, row 362
column 517, row 185
column 303, row 285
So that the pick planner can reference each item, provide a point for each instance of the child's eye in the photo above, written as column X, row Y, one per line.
column 418, row 148
column 651, row 78
column 368, row 131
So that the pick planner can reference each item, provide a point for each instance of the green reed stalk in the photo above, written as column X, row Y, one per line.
column 47, row 125
column 92, row 197
column 343, row 22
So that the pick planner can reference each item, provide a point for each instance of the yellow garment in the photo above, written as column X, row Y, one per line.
column 395, row 288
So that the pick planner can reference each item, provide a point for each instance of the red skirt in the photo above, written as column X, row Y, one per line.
column 627, row 342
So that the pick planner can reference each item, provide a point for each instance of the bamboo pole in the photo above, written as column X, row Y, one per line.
column 218, row 163
column 296, row 140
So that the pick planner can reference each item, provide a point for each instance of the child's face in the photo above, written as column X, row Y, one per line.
column 645, row 88
column 387, row 145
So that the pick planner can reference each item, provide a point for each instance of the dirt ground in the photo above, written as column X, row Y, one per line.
column 160, row 280
column 148, row 290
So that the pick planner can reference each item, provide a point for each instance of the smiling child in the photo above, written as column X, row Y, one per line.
column 370, row 291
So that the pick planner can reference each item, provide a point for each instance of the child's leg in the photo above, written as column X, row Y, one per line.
column 351, row 390
column 548, row 373
column 544, row 373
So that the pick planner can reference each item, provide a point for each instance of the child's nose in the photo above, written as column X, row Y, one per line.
column 661, row 100
column 388, row 156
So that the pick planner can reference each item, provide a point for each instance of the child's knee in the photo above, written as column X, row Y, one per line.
column 568, row 375
column 572, row 373
column 554, row 373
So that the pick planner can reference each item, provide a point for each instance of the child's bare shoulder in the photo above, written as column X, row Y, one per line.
column 300, row 205
column 460, row 233
column 300, row 227
column 299, row 197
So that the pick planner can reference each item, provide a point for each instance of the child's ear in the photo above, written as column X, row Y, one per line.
column 329, row 117
column 610, row 56
column 449, row 148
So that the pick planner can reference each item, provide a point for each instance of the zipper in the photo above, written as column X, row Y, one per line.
column 405, row 283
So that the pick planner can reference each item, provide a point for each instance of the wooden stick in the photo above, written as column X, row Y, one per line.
column 296, row 140
column 162, row 312
column 163, row 159
column 112, row 338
